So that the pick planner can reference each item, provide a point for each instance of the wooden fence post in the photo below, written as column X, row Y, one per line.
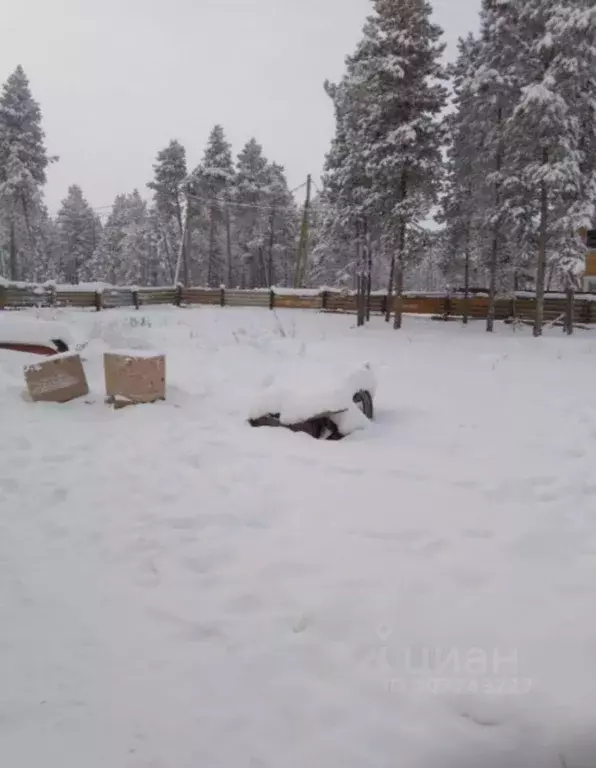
column 2, row 297
column 222, row 297
column 447, row 307
column 272, row 299
column 324, row 299
column 178, row 296
column 135, row 299
column 98, row 300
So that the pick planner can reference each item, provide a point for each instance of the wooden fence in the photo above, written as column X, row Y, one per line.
column 522, row 305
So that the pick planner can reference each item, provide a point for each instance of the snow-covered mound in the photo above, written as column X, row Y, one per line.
column 19, row 328
column 305, row 389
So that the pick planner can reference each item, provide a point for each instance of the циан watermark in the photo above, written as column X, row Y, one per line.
column 453, row 670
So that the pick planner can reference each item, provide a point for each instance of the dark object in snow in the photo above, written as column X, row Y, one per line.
column 59, row 347
column 322, row 426
column 364, row 401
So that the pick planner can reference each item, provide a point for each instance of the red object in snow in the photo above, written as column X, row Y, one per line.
column 35, row 349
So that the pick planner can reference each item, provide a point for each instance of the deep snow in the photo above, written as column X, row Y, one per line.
column 180, row 590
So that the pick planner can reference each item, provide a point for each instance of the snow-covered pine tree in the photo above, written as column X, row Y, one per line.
column 399, row 70
column 49, row 251
column 170, row 173
column 250, row 218
column 76, row 224
column 125, row 252
column 552, row 133
column 282, row 228
column 461, row 210
column 135, row 251
column 23, row 163
column 159, row 266
column 212, row 184
column 389, row 107
column 496, row 83
column 344, row 203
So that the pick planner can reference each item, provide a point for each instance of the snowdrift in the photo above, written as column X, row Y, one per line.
column 24, row 329
column 305, row 390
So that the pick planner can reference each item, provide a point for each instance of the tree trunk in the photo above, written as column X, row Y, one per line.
column 569, row 307
column 399, row 277
column 369, row 261
column 390, row 289
column 262, row 274
column 359, row 277
column 401, row 247
column 302, row 257
column 228, row 247
column 494, row 256
column 542, row 246
column 179, row 214
column 186, row 241
column 170, row 263
column 271, row 245
column 359, row 313
column 211, row 262
column 14, row 276
column 549, row 279
column 31, row 237
column 466, row 312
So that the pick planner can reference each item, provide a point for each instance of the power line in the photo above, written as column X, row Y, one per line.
column 232, row 203
column 105, row 210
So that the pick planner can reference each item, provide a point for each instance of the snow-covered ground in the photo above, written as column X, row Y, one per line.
column 180, row 590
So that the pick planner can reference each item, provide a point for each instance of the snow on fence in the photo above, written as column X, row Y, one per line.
column 99, row 297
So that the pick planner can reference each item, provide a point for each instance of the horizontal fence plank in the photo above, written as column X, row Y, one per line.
column 208, row 296
column 247, row 299
column 26, row 297
column 298, row 302
column 149, row 297
column 113, row 299
column 74, row 299
column 421, row 305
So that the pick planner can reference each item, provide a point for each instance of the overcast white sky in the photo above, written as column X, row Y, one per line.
column 117, row 79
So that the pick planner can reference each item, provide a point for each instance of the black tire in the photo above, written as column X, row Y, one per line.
column 60, row 345
column 364, row 401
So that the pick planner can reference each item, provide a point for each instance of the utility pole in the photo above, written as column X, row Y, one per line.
column 228, row 248
column 271, row 245
column 184, row 251
column 302, row 259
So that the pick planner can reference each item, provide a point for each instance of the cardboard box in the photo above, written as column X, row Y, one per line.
column 57, row 379
column 135, row 377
